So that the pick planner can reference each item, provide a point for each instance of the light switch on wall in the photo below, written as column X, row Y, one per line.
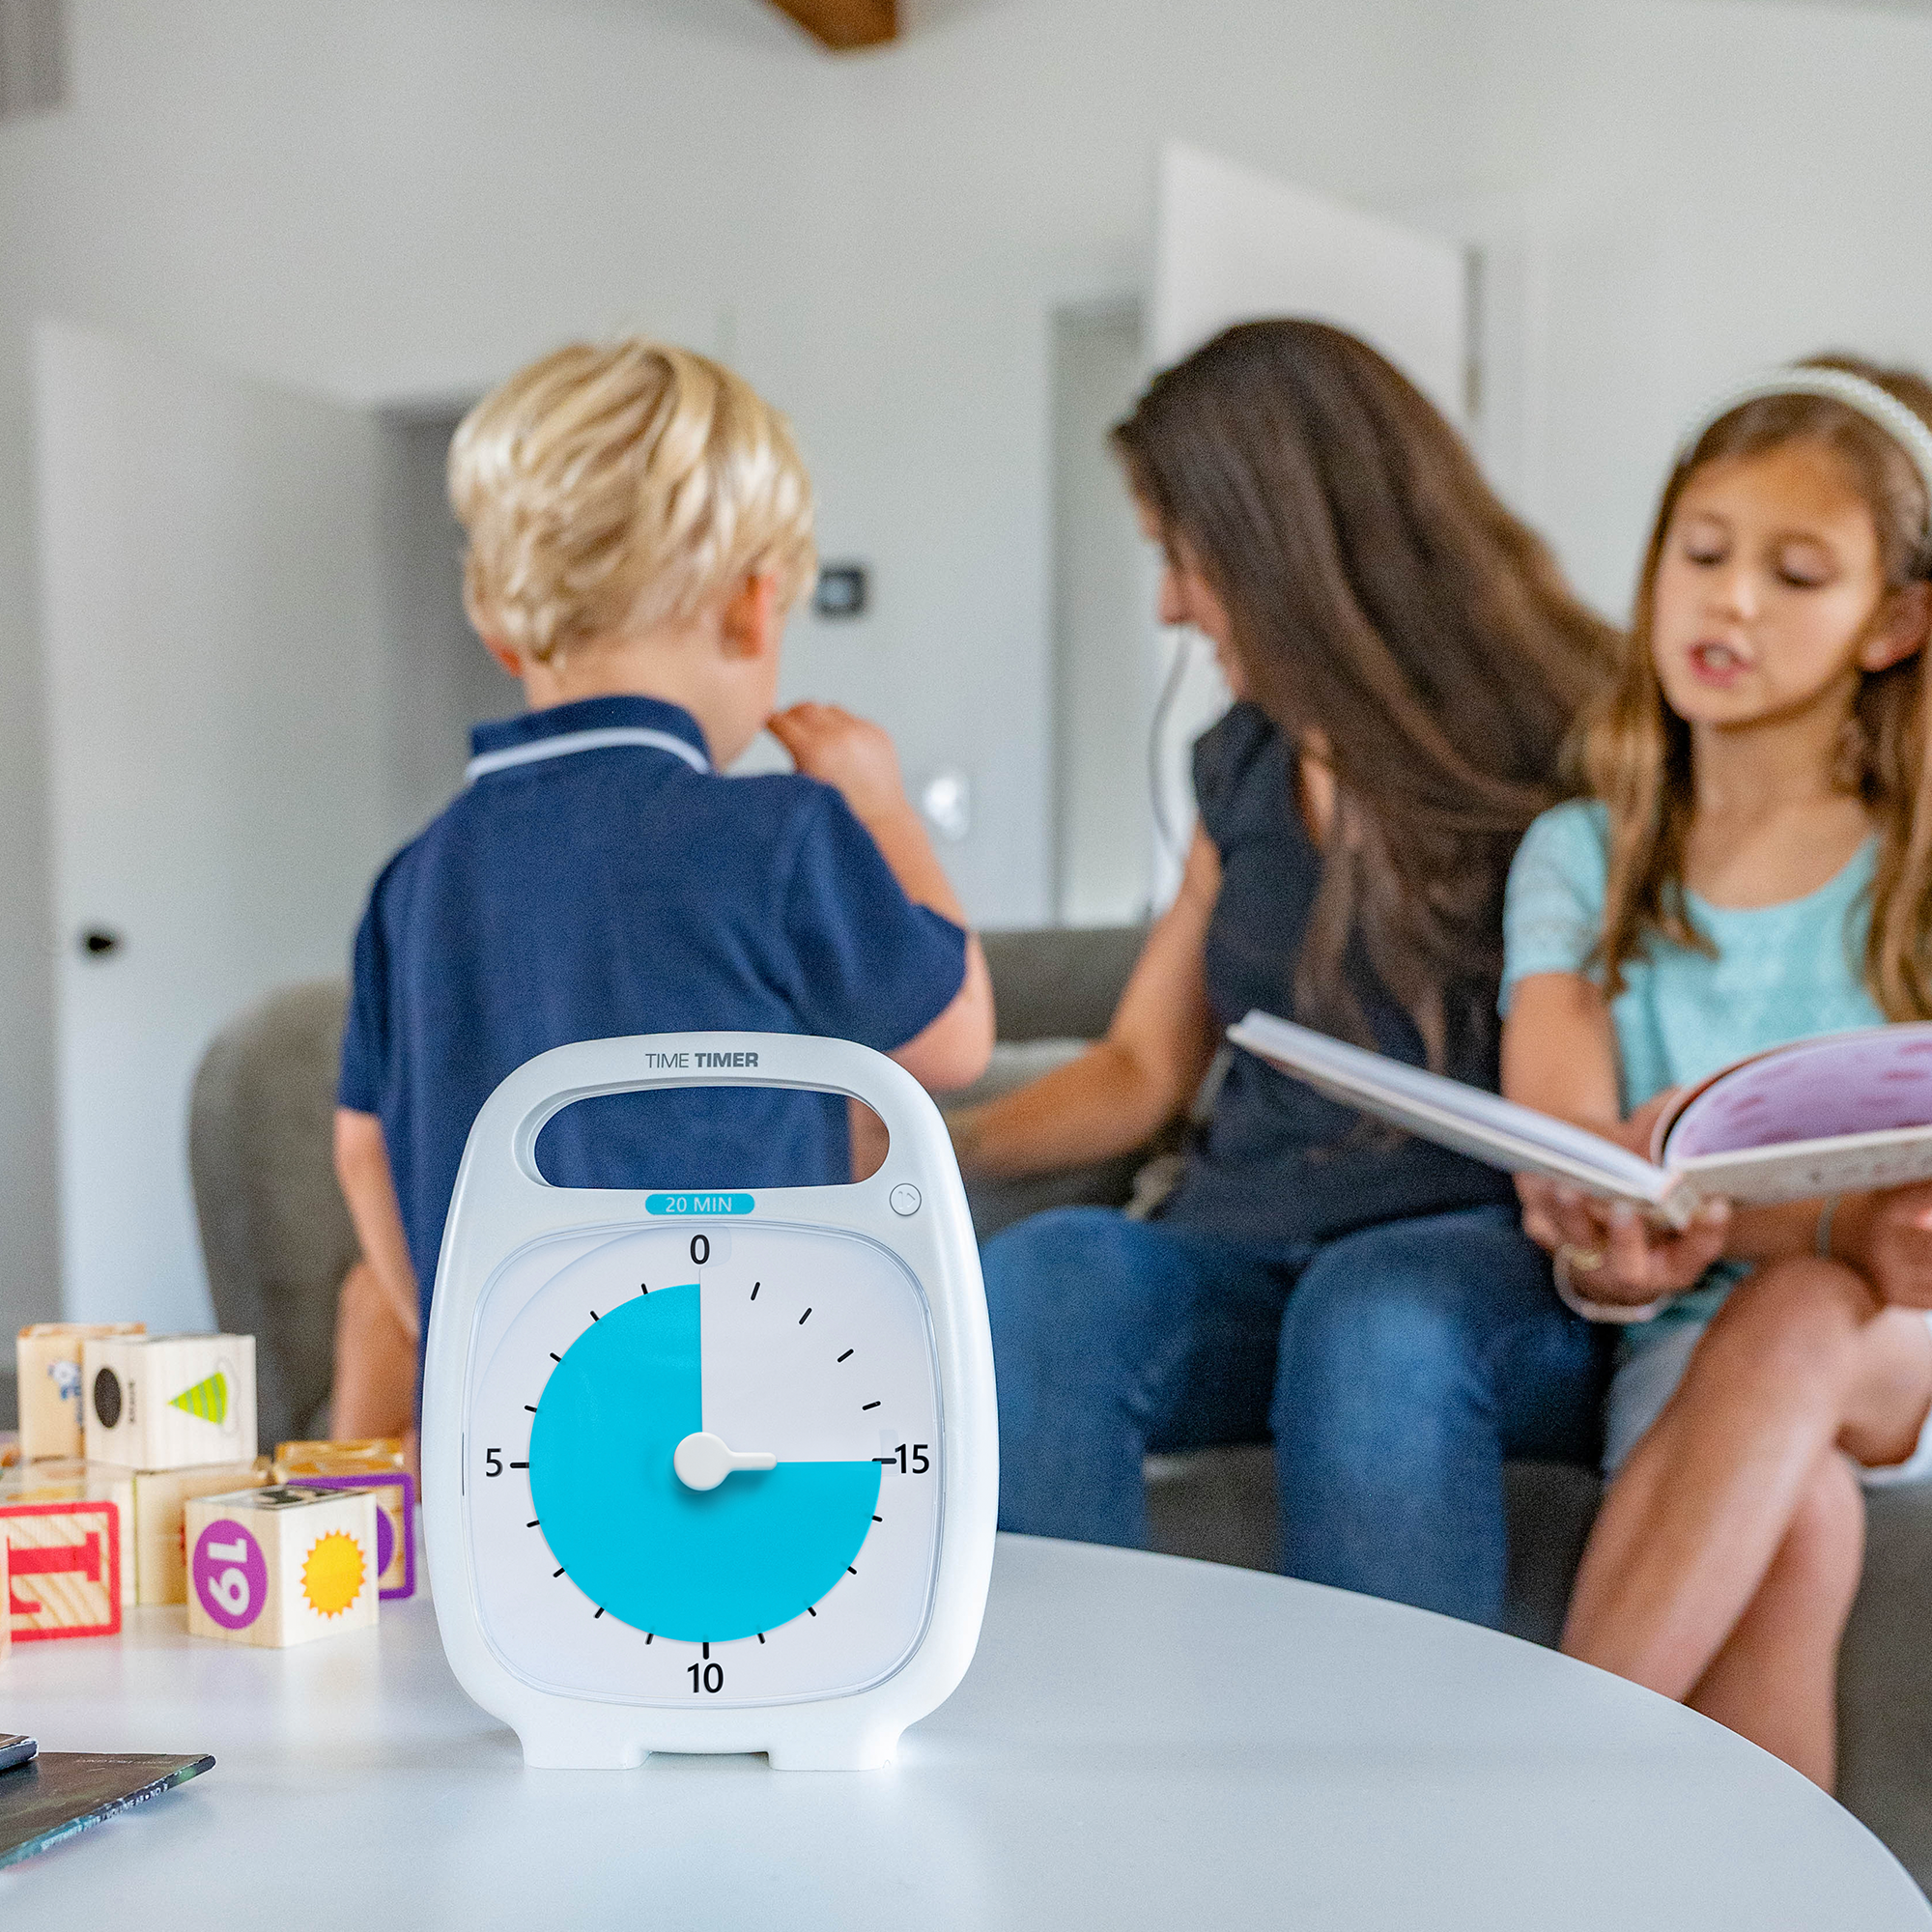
column 945, row 800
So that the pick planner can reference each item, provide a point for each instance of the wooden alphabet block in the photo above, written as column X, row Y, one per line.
column 46, row 1355
column 281, row 1566
column 160, row 1505
column 345, row 1457
column 169, row 1402
column 63, row 1568
column 70, row 1482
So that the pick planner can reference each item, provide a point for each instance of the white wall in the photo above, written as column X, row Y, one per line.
column 390, row 199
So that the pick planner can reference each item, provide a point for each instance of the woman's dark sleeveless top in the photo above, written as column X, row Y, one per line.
column 1278, row 1166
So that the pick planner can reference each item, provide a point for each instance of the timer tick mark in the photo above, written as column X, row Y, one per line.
column 555, row 1357
column 530, row 1409
column 593, row 1314
column 878, row 1518
column 643, row 1288
column 805, row 1318
column 755, row 1286
column 849, row 1571
column 761, row 1637
column 810, row 1612
column 519, row 1465
column 557, row 1573
column 533, row 1524
column 599, row 1614
column 647, row 1636
column 847, row 1357
column 863, row 1407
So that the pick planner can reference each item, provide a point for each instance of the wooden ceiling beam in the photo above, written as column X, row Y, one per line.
column 845, row 24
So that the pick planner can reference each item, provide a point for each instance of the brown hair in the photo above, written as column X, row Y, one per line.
column 1637, row 751
column 1380, row 593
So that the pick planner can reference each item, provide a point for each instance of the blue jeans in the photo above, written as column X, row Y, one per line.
column 1394, row 1368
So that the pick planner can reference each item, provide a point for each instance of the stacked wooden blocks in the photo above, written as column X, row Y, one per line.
column 139, row 1483
column 118, row 1431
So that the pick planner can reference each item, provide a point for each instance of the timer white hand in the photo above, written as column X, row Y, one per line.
column 702, row 1461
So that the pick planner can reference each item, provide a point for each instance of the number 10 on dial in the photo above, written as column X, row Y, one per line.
column 721, row 1480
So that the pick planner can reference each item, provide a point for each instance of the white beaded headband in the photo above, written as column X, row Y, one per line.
column 1903, row 425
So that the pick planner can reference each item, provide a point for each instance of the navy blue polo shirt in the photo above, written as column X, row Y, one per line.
column 596, row 877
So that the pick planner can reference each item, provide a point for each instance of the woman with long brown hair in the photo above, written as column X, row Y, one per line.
column 1406, row 663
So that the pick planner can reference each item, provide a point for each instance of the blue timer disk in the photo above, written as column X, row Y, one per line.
column 703, row 1566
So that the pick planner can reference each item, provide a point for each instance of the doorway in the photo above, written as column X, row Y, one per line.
column 1103, row 646
column 259, row 683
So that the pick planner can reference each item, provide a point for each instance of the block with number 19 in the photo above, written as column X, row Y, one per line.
column 281, row 1566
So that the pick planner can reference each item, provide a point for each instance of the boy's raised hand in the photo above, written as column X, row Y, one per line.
column 852, row 755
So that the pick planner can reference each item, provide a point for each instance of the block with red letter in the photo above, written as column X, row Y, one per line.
column 169, row 1402
column 66, row 1482
column 280, row 1566
column 6, row 1622
column 63, row 1568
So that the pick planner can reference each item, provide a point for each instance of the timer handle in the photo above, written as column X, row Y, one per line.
column 501, row 1193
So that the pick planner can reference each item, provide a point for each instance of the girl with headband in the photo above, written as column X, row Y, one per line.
column 1755, row 865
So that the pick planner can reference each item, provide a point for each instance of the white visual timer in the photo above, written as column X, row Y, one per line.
column 709, row 1471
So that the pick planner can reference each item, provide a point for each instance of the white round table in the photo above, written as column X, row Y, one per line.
column 1141, row 1742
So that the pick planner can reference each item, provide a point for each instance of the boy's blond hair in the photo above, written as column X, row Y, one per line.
column 608, row 490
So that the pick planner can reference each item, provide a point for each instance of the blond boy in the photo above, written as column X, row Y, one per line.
column 639, row 525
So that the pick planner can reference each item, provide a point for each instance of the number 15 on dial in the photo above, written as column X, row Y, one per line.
column 716, row 1472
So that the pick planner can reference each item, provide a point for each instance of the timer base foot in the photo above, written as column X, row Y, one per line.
column 866, row 1750
column 546, row 1751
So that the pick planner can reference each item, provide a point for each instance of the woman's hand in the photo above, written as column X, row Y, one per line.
column 1887, row 1238
column 1611, row 1253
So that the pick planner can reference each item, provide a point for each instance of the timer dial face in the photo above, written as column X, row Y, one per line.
column 704, row 1463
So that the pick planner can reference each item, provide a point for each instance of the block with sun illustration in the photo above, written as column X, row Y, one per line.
column 169, row 1402
column 282, row 1565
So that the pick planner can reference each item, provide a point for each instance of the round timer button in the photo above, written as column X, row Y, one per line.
column 905, row 1199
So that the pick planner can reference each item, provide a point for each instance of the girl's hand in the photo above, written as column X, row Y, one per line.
column 852, row 755
column 1887, row 1238
column 1612, row 1253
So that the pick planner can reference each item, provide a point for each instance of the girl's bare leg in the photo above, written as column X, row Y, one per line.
column 1776, row 1680
column 1802, row 1357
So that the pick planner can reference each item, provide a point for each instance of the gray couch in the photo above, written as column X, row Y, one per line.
column 277, row 1241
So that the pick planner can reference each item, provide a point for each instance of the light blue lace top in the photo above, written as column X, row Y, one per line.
column 1782, row 972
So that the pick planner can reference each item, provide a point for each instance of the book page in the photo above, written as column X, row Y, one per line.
column 1491, row 1129
column 1878, row 1080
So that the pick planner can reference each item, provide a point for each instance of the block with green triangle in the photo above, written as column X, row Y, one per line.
column 169, row 1402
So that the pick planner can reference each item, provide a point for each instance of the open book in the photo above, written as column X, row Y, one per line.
column 1835, row 1115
